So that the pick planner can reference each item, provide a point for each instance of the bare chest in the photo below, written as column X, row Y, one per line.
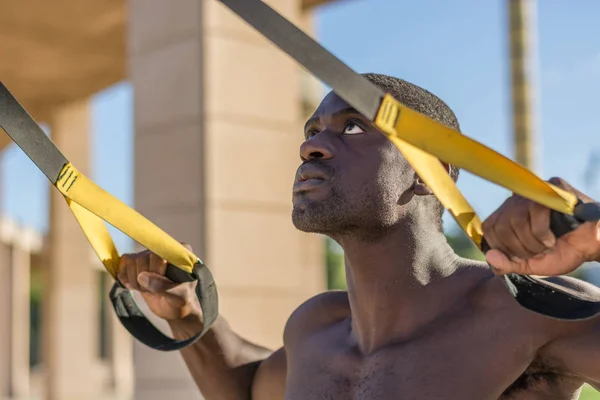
column 458, row 360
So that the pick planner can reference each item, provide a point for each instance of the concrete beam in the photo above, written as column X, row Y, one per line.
column 308, row 4
column 57, row 52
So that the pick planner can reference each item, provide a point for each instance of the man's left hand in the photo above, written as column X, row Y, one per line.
column 521, row 240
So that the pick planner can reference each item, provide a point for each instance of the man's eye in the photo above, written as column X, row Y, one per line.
column 353, row 129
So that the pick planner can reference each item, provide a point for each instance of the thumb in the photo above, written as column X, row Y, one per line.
column 500, row 263
column 155, row 283
column 175, row 294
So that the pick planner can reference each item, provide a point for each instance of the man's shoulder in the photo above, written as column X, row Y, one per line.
column 324, row 307
column 318, row 311
column 488, row 295
column 492, row 296
column 483, row 291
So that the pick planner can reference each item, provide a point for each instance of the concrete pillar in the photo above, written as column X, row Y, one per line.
column 26, row 243
column 20, row 321
column 16, row 246
column 120, row 347
column 217, row 129
column 5, row 317
column 70, row 327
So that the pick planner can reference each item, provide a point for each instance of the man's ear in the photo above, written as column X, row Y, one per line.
column 420, row 188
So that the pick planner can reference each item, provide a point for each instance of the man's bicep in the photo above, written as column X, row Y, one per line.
column 269, row 380
column 576, row 344
column 578, row 352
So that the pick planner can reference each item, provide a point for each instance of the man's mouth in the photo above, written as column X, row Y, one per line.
column 308, row 178
column 304, row 178
column 310, row 171
column 307, row 183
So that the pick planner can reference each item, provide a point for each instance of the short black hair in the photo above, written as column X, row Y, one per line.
column 420, row 100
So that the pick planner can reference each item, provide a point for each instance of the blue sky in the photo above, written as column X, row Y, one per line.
column 455, row 49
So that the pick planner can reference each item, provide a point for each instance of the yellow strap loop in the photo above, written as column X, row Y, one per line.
column 92, row 205
column 97, row 234
column 396, row 120
column 419, row 139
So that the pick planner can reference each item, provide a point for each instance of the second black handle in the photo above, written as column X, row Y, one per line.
column 560, row 224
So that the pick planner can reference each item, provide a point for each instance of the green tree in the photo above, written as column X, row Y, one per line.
column 463, row 246
column 336, row 271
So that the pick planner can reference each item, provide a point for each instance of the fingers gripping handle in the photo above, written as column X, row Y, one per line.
column 142, row 329
column 560, row 224
column 543, row 296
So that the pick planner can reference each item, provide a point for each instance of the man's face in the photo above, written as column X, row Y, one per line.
column 352, row 178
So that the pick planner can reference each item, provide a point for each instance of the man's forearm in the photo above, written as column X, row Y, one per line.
column 222, row 364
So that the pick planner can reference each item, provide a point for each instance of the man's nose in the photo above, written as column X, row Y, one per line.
column 318, row 146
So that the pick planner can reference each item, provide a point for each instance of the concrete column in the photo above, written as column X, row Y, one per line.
column 217, row 129
column 70, row 300
column 5, row 318
column 20, row 321
column 26, row 243
column 254, row 118
column 17, row 245
column 165, row 53
column 120, row 344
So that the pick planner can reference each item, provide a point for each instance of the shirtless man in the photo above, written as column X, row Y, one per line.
column 417, row 321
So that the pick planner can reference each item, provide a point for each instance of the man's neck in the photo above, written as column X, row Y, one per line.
column 393, row 282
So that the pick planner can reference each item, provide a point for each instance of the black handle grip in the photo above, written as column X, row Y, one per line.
column 178, row 275
column 137, row 324
column 587, row 211
column 552, row 299
column 560, row 224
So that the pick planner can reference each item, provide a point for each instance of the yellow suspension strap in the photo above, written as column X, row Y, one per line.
column 533, row 293
column 424, row 143
column 92, row 207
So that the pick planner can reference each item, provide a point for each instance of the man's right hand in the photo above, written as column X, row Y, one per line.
column 145, row 272
column 224, row 365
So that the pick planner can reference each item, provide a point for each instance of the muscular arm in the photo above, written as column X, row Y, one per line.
column 576, row 347
column 579, row 354
column 226, row 366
